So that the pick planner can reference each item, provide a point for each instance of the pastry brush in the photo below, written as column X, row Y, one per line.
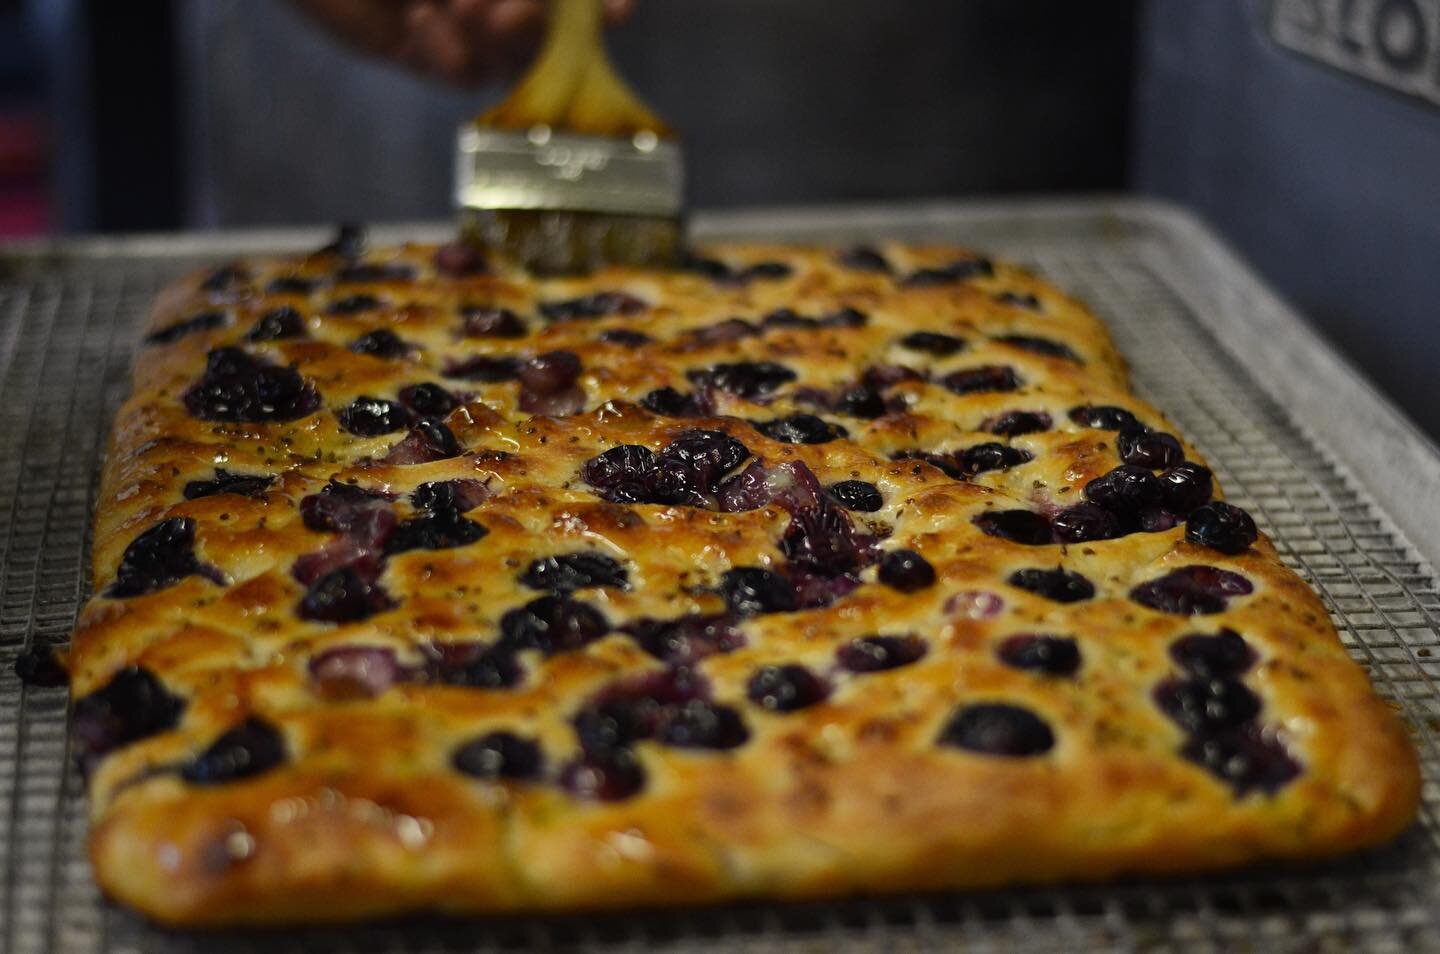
column 571, row 171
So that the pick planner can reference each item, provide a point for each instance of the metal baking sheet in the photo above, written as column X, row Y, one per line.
column 1347, row 488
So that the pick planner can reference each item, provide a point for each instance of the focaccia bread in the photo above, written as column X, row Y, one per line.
column 425, row 584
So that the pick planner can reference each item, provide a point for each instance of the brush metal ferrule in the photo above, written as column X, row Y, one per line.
column 541, row 169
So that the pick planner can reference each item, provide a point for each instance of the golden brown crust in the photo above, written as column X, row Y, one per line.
column 367, row 816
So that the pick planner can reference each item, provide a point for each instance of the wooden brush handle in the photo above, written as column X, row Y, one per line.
column 572, row 87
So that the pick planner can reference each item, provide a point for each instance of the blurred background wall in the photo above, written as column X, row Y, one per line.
column 210, row 113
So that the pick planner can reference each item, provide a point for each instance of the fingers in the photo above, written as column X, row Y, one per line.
column 618, row 11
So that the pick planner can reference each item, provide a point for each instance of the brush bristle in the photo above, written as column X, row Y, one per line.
column 562, row 242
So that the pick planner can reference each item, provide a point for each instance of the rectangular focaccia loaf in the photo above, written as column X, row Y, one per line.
column 425, row 584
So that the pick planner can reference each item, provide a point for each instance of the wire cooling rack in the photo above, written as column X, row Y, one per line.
column 67, row 317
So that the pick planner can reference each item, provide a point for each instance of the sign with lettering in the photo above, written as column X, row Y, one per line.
column 1392, row 42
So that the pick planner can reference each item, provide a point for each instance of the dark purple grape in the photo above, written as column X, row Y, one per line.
column 1051, row 349
column 991, row 456
column 428, row 401
column 249, row 749
column 484, row 369
column 1016, row 423
column 499, row 755
column 751, row 591
column 607, row 777
column 788, row 318
column 1191, row 590
column 989, row 377
column 816, row 587
column 770, row 271
column 435, row 530
column 1147, row 448
column 159, row 558
column 856, row 495
column 879, row 653
column 1125, row 489
column 371, row 416
column 460, row 260
column 861, row 401
column 374, row 272
column 489, row 321
column 569, row 572
column 1221, row 526
column 338, row 508
column 698, row 724
column 1206, row 705
column 354, row 305
column 224, row 482
column 349, row 241
column 292, row 285
column 998, row 729
column 355, row 672
column 133, row 705
column 786, row 688
column 1224, row 654
column 668, row 402
column 710, row 268
column 345, row 595
column 225, row 278
column 625, row 338
column 561, row 403
column 1018, row 526
column 453, row 496
column 1051, row 655
column 477, row 666
column 800, row 429
column 381, row 343
column 239, row 388
column 750, row 380
column 906, row 571
column 1246, row 757
column 619, row 472
column 948, row 464
column 1156, row 520
column 1103, row 416
column 731, row 329
column 1085, row 522
column 882, row 376
column 40, row 667
column 277, row 325
column 823, row 538
column 593, row 306
column 1060, row 585
column 553, row 624
column 1018, row 300
column 845, row 317
column 427, row 441
column 933, row 343
column 206, row 321
column 1185, row 487
column 950, row 274
column 863, row 258
column 688, row 638
column 551, row 372
column 700, row 458
column 748, row 490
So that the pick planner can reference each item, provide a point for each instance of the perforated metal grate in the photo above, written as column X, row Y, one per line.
column 65, row 326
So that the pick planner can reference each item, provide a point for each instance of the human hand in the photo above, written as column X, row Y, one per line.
column 462, row 41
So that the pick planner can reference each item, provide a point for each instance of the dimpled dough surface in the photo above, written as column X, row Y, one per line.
column 425, row 584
